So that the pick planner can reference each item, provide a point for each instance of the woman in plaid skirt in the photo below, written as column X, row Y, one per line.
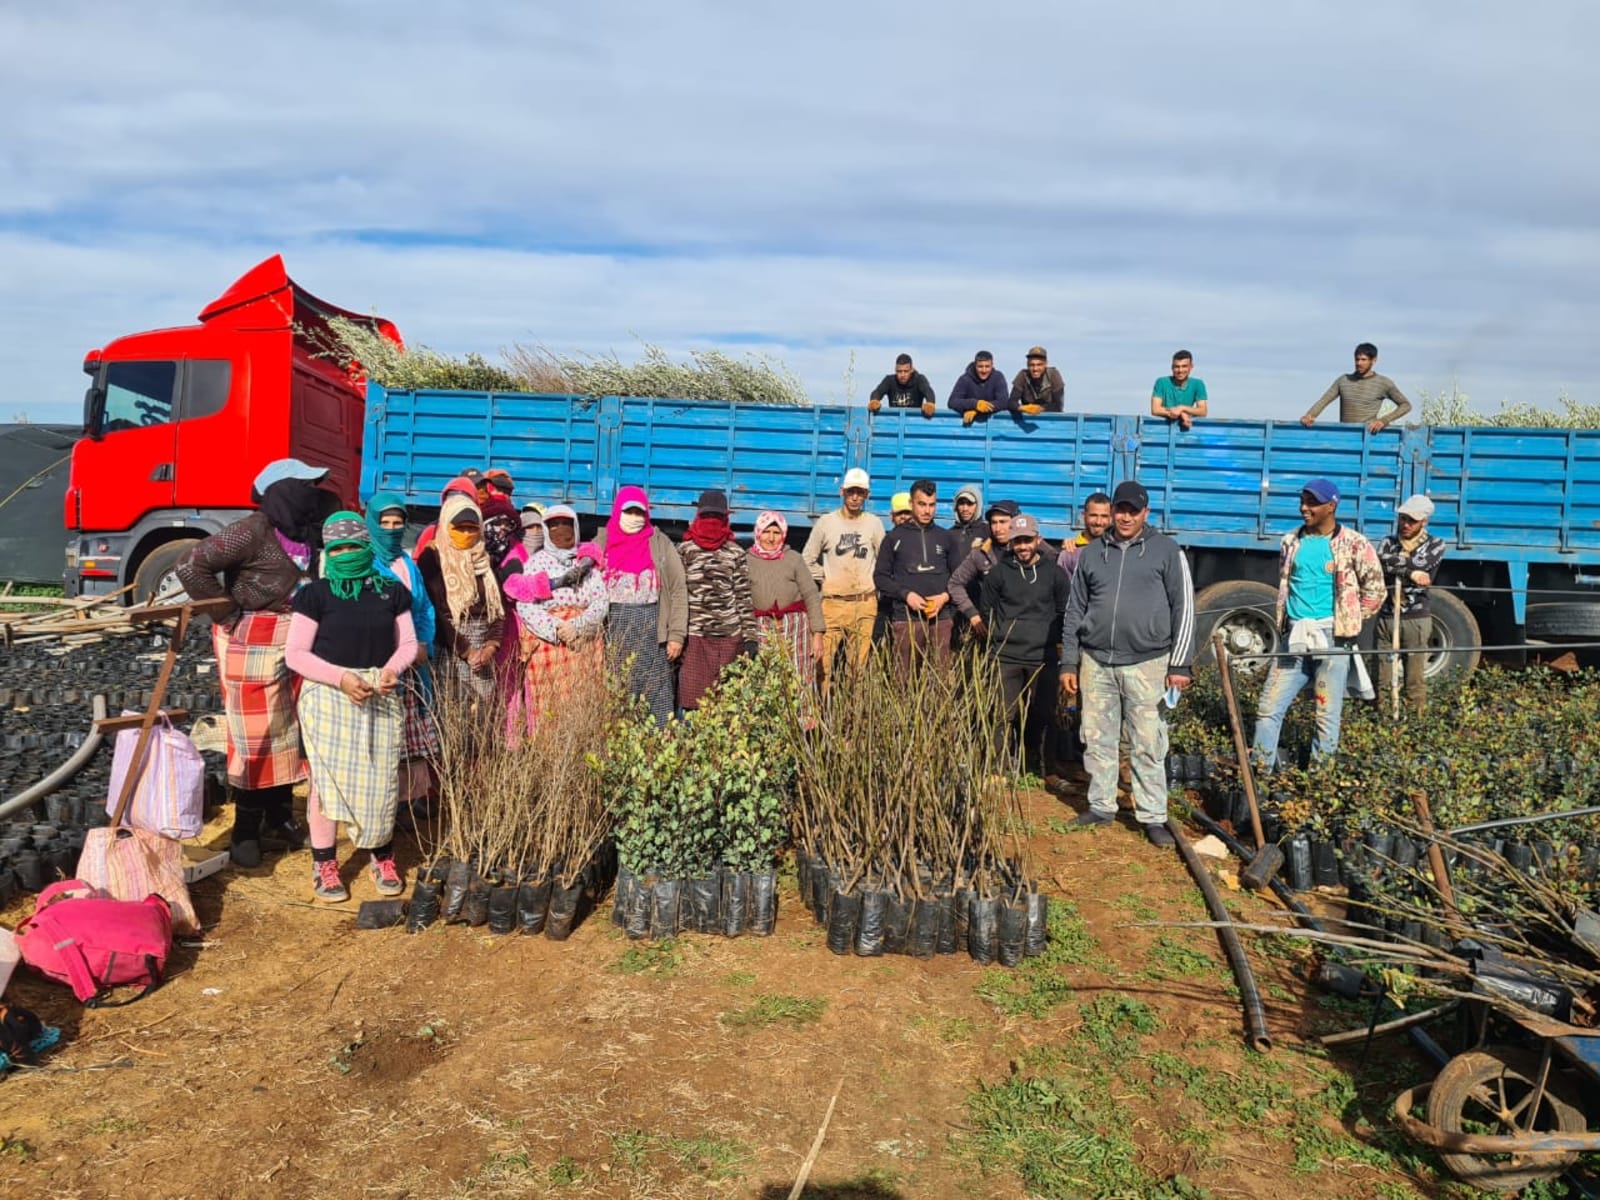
column 351, row 639
column 787, row 604
column 259, row 563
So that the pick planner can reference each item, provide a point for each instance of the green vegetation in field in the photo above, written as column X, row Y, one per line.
column 1037, row 985
column 1171, row 959
column 661, row 958
column 1065, row 1124
column 739, row 978
column 770, row 1009
column 709, row 1157
column 1138, row 906
column 564, row 1172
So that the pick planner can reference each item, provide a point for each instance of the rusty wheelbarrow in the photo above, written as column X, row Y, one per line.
column 1502, row 1115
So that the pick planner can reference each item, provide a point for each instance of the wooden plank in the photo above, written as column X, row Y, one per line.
column 118, row 724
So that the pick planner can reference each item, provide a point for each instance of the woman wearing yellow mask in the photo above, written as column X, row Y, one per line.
column 469, row 616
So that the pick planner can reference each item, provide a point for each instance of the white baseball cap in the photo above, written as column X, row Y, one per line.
column 1418, row 507
column 855, row 477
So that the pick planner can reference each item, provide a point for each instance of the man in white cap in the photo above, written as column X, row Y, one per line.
column 1410, row 558
column 842, row 552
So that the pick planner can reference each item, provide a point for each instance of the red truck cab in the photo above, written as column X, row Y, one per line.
column 177, row 423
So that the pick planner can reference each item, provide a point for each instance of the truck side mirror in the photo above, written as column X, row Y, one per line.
column 90, row 404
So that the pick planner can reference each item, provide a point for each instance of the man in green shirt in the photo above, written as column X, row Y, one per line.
column 1179, row 397
column 1362, row 393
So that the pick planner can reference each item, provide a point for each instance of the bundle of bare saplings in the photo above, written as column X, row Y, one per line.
column 908, row 829
column 701, row 805
column 522, row 836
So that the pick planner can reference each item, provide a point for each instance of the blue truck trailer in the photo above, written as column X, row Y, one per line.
column 1519, row 509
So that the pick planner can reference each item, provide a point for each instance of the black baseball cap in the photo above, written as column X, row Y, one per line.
column 713, row 500
column 1009, row 507
column 1129, row 492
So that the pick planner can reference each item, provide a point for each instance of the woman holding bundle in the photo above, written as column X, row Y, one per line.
column 647, row 615
column 787, row 604
column 561, row 607
column 386, row 526
column 350, row 640
column 259, row 563
column 469, row 616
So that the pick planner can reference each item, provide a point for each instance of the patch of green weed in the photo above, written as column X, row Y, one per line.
column 661, row 958
column 771, row 1009
column 1036, row 985
column 1171, row 959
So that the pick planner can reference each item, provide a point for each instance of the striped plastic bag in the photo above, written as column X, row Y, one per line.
column 169, row 798
column 130, row 864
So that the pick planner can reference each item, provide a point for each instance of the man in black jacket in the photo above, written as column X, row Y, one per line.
column 913, row 574
column 1129, row 630
column 906, row 388
column 1022, row 599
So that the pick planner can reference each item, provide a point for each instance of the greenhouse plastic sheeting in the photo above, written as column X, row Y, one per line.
column 33, row 479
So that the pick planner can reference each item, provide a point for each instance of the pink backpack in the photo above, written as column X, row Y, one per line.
column 93, row 944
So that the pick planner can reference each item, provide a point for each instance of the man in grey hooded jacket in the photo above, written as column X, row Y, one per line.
column 1128, row 639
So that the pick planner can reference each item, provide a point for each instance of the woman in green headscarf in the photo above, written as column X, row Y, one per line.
column 386, row 523
column 350, row 639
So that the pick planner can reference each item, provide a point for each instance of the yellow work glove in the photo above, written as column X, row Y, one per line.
column 874, row 405
column 1033, row 410
column 927, row 408
column 985, row 407
column 968, row 417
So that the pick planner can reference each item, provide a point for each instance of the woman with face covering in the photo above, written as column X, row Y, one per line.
column 351, row 639
column 787, row 603
column 561, row 633
column 647, row 618
column 386, row 526
column 722, row 620
column 469, row 616
column 259, row 562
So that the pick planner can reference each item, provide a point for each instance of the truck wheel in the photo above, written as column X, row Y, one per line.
column 1488, row 1091
column 1564, row 622
column 1243, row 612
column 156, row 575
column 1454, row 627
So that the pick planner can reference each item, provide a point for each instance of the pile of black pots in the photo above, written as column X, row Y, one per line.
column 725, row 902
column 45, row 715
column 1003, row 926
column 499, row 900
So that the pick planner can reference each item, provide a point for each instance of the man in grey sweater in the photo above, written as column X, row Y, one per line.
column 1362, row 393
column 1126, row 641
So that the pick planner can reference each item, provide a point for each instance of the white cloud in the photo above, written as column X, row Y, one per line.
column 1266, row 185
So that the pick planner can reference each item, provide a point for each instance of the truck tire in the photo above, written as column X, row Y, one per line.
column 1564, row 622
column 155, row 576
column 1244, row 612
column 1454, row 627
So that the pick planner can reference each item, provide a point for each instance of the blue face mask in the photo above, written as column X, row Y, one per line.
column 1171, row 698
column 387, row 544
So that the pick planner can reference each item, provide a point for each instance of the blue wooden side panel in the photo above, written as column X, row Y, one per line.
column 416, row 442
column 1237, row 483
column 1538, row 489
column 1049, row 465
column 762, row 456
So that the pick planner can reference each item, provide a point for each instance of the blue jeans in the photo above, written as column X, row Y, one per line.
column 1284, row 682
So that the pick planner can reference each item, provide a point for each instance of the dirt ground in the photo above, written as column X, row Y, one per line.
column 292, row 1055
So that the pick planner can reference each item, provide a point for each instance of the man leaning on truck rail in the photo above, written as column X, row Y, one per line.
column 906, row 388
column 1180, row 396
column 1361, row 395
column 981, row 390
column 1038, row 387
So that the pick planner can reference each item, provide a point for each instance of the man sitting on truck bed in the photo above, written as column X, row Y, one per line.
column 1362, row 393
column 980, row 391
column 1179, row 396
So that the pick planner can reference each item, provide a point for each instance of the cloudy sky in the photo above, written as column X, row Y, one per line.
column 1263, row 183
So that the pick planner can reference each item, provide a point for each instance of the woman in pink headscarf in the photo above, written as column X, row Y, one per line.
column 647, row 610
column 787, row 603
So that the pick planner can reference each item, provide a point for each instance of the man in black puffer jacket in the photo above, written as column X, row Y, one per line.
column 1022, row 599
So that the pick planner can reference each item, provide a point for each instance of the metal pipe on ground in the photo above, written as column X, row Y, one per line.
column 1255, row 1015
column 80, row 759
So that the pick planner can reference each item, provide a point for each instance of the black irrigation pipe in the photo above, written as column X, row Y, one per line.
column 1419, row 1037
column 1507, row 822
column 1255, row 1016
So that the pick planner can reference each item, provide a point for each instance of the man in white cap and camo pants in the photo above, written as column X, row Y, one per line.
column 1410, row 558
column 842, row 552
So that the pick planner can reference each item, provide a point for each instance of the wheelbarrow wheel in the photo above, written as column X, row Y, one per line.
column 1489, row 1091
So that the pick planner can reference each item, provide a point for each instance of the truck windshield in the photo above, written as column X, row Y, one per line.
column 136, row 394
